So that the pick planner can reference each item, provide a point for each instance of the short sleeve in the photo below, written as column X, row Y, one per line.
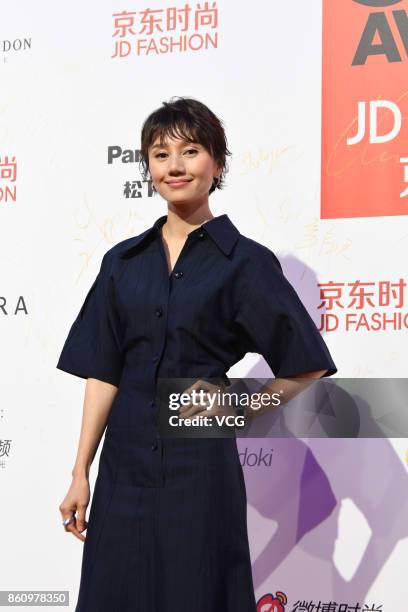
column 93, row 348
column 273, row 322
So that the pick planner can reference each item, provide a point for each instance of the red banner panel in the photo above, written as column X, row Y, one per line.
column 364, row 162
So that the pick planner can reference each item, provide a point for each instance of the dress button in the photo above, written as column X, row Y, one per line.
column 201, row 235
column 159, row 312
column 154, row 446
column 155, row 358
column 178, row 274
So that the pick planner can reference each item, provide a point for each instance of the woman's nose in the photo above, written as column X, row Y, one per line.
column 176, row 163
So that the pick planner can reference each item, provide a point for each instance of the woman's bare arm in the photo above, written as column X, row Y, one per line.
column 98, row 402
column 288, row 388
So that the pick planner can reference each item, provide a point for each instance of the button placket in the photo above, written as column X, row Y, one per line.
column 177, row 274
column 162, row 312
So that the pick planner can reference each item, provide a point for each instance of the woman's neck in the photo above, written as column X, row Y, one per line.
column 177, row 227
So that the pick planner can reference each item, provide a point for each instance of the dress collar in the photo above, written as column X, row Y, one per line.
column 220, row 229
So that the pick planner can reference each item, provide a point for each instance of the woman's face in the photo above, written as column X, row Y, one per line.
column 182, row 171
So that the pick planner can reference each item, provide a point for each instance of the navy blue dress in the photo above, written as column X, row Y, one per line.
column 167, row 526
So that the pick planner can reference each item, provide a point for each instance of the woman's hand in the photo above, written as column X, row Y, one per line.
column 210, row 405
column 76, row 500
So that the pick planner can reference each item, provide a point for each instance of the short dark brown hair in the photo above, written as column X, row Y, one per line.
column 190, row 120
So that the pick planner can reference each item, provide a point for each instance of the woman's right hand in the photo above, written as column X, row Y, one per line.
column 76, row 501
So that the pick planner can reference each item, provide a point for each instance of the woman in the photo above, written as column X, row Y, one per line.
column 188, row 297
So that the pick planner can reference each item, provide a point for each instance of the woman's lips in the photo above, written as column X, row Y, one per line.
column 178, row 183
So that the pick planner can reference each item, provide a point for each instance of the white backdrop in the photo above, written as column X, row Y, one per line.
column 63, row 102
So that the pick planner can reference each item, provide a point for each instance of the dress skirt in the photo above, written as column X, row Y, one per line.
column 175, row 543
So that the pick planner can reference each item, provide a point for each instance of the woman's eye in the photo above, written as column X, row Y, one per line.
column 187, row 151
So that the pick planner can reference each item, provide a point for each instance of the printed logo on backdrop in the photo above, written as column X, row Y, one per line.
column 272, row 603
column 279, row 603
column 332, row 606
column 158, row 31
column 364, row 161
column 12, row 306
column 363, row 305
column 133, row 187
column 8, row 47
column 5, row 446
column 8, row 176
column 262, row 457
